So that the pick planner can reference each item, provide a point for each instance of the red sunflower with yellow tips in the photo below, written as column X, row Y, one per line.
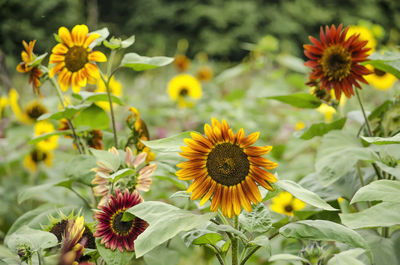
column 74, row 60
column 335, row 60
column 226, row 168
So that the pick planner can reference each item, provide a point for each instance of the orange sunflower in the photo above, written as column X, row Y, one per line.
column 74, row 58
column 226, row 167
column 24, row 67
column 335, row 60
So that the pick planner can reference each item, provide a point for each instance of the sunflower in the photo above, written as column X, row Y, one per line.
column 335, row 61
column 95, row 139
column 31, row 112
column 380, row 79
column 44, row 127
column 74, row 59
column 285, row 203
column 3, row 105
column 24, row 67
column 365, row 35
column 73, row 244
column 226, row 167
column 204, row 73
column 115, row 89
column 181, row 62
column 182, row 87
column 114, row 232
column 35, row 157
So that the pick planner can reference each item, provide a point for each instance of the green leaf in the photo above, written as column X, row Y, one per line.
column 140, row 63
column 262, row 241
column 293, row 63
column 383, row 140
column 170, row 144
column 228, row 229
column 384, row 250
column 103, row 35
column 94, row 117
column 325, row 231
column 337, row 155
column 32, row 191
column 256, row 221
column 36, row 239
column 180, row 194
column 201, row 237
column 380, row 190
column 319, row 129
column 121, row 173
column 306, row 196
column 128, row 42
column 382, row 214
column 117, row 43
column 114, row 257
column 300, row 100
column 288, row 257
column 38, row 60
column 96, row 96
column 162, row 256
column 108, row 159
column 395, row 171
column 48, row 135
column 67, row 113
column 379, row 110
column 347, row 257
column 78, row 168
column 166, row 221
column 388, row 62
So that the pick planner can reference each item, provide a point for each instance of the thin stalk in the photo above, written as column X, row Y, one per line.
column 235, row 242
column 217, row 253
column 107, row 84
column 255, row 249
column 361, row 179
column 81, row 197
column 110, row 62
column 385, row 232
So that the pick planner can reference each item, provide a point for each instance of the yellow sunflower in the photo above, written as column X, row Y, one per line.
column 35, row 157
column 182, row 87
column 226, row 167
column 74, row 59
column 327, row 111
column 3, row 105
column 380, row 79
column 43, row 127
column 31, row 112
column 365, row 35
column 115, row 88
column 285, row 203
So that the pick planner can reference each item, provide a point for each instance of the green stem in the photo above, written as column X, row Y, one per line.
column 360, row 175
column 110, row 62
column 385, row 232
column 217, row 253
column 235, row 241
column 82, row 198
column 255, row 249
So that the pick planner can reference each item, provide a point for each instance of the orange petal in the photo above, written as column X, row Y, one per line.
column 209, row 193
column 56, row 58
column 208, row 131
column 243, row 199
column 196, row 146
column 75, row 82
column 56, row 69
column 250, row 139
column 217, row 198
column 257, row 151
column 201, row 190
column 200, row 138
column 235, row 200
column 253, row 188
column 92, row 70
column 97, row 56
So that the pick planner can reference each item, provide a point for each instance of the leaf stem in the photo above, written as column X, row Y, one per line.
column 81, row 197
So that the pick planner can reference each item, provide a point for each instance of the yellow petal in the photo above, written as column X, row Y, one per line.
column 60, row 48
column 97, row 57
column 79, row 33
column 65, row 36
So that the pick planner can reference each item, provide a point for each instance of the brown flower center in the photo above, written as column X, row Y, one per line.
column 35, row 111
column 184, row 92
column 336, row 63
column 76, row 58
column 120, row 227
column 289, row 208
column 38, row 156
column 379, row 72
column 227, row 164
column 59, row 229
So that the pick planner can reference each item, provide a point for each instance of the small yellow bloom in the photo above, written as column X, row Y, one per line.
column 115, row 88
column 204, row 73
column 43, row 127
column 380, row 79
column 3, row 104
column 182, row 87
column 365, row 34
column 328, row 112
column 285, row 203
column 31, row 112
column 300, row 125
column 34, row 158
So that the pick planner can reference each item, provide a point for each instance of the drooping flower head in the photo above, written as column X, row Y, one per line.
column 184, row 87
column 335, row 61
column 286, row 204
column 72, row 244
column 74, row 58
column 25, row 66
column 226, row 167
column 114, row 232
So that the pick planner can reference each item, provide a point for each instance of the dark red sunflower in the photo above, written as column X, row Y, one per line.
column 335, row 60
column 116, row 233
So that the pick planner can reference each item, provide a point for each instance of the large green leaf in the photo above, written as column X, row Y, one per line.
column 388, row 62
column 162, row 256
column 94, row 117
column 79, row 168
column 383, row 140
column 37, row 60
column 325, row 231
column 385, row 251
column 108, row 159
column 257, row 221
column 347, row 257
column 201, row 237
column 288, row 257
column 382, row 214
column 338, row 154
column 140, row 63
column 319, row 129
column 381, row 190
column 165, row 222
column 395, row 171
column 114, row 257
column 170, row 144
column 96, row 96
column 33, row 191
column 300, row 100
column 305, row 195
column 36, row 239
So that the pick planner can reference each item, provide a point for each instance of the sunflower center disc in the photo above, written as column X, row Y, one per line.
column 227, row 164
column 35, row 112
column 288, row 208
column 379, row 72
column 336, row 63
column 121, row 227
column 76, row 58
column 38, row 156
column 184, row 91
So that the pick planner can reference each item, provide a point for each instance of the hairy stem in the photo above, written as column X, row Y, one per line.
column 235, row 241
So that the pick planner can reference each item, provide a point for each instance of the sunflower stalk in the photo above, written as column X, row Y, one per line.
column 235, row 242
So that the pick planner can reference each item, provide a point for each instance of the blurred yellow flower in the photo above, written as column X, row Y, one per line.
column 182, row 87
column 115, row 89
column 380, row 79
column 365, row 34
column 35, row 157
column 43, row 127
column 31, row 112
column 204, row 73
column 181, row 62
column 328, row 111
column 300, row 125
column 3, row 105
column 286, row 204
